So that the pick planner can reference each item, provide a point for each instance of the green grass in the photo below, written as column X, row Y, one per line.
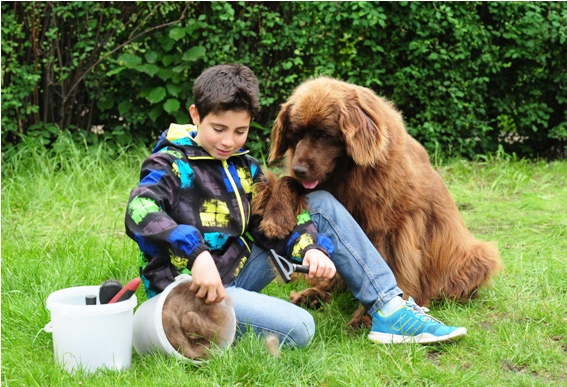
column 62, row 226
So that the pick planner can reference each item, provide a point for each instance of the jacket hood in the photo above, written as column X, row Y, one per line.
column 182, row 136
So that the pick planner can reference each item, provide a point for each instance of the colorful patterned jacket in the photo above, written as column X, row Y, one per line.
column 188, row 202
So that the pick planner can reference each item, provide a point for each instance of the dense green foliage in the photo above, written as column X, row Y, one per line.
column 468, row 76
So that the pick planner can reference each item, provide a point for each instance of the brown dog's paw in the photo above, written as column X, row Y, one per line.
column 313, row 298
column 360, row 319
column 279, row 205
column 276, row 230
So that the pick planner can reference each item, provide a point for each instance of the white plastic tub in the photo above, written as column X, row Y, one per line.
column 90, row 336
column 149, row 335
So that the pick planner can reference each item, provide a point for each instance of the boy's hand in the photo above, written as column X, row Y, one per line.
column 320, row 266
column 207, row 283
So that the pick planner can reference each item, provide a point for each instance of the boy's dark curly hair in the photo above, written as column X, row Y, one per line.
column 226, row 87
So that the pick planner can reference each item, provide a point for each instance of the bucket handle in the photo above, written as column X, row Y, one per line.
column 50, row 325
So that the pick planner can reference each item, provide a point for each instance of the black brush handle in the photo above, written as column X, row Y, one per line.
column 108, row 290
column 301, row 268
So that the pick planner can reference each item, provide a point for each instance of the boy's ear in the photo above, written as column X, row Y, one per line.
column 194, row 114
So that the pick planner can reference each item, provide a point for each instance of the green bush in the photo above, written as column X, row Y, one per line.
column 469, row 77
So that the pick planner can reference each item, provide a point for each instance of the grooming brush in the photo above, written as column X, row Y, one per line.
column 126, row 291
column 107, row 290
column 284, row 267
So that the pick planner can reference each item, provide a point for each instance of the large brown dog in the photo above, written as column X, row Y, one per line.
column 344, row 139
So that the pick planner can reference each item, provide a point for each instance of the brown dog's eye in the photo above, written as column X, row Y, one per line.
column 293, row 137
column 327, row 135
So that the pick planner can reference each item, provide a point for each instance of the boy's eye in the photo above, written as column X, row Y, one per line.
column 217, row 129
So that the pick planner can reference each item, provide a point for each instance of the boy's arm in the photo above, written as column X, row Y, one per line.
column 148, row 222
column 320, row 265
column 305, row 237
column 303, row 245
column 207, row 283
column 302, row 238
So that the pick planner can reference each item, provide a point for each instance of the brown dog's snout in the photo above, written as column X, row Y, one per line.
column 300, row 171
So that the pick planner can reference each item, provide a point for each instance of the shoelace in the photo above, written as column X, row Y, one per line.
column 421, row 311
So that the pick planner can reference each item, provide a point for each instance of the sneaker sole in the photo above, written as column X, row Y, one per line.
column 423, row 338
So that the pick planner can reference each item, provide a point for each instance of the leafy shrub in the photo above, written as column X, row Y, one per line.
column 469, row 77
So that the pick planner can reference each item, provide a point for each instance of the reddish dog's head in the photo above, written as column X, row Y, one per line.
column 326, row 123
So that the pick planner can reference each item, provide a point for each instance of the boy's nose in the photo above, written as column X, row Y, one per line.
column 227, row 141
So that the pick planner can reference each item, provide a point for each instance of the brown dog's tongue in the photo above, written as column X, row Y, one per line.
column 309, row 184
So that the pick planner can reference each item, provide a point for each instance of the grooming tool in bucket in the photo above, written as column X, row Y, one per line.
column 90, row 337
column 108, row 290
column 149, row 335
column 126, row 292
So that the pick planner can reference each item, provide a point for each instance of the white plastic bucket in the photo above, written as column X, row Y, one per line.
column 90, row 337
column 149, row 335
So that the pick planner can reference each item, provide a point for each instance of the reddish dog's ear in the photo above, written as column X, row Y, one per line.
column 363, row 126
column 279, row 144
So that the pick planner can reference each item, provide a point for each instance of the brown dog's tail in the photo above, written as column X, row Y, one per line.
column 475, row 270
column 468, row 264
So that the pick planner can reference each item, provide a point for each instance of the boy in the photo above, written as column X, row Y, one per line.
column 191, row 213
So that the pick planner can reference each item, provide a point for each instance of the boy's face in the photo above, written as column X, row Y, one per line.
column 221, row 134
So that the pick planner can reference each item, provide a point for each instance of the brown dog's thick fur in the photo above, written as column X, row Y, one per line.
column 281, row 200
column 191, row 326
column 346, row 140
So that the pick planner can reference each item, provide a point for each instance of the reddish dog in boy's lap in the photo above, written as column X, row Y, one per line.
column 345, row 139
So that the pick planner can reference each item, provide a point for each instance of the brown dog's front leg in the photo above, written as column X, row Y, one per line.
column 281, row 202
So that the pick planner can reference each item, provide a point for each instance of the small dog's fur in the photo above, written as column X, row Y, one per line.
column 191, row 326
column 344, row 139
column 273, row 345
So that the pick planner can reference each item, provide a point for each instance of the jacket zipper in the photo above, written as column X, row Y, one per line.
column 237, row 194
column 235, row 188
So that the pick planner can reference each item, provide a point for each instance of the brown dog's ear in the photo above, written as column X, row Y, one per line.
column 279, row 144
column 363, row 124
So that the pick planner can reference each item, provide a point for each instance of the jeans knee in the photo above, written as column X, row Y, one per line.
column 320, row 195
column 302, row 333
column 319, row 199
column 296, row 332
column 322, row 202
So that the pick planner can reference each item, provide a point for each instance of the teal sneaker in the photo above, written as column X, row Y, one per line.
column 411, row 324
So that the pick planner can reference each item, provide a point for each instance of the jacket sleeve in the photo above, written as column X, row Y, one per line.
column 305, row 237
column 302, row 238
column 147, row 220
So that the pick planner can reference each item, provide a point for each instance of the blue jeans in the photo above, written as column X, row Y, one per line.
column 358, row 262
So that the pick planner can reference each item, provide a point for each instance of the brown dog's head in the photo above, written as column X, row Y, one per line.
column 327, row 123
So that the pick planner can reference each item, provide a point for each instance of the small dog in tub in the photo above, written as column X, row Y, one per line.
column 194, row 328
